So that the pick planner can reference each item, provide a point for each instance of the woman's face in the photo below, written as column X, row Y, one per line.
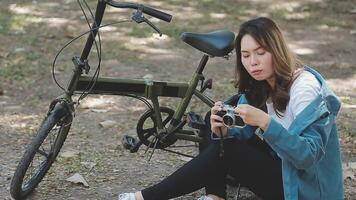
column 256, row 60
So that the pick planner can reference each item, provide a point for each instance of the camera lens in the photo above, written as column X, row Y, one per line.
column 228, row 120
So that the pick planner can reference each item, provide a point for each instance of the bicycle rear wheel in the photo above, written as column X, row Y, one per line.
column 40, row 153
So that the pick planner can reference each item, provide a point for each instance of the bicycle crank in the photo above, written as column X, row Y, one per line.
column 147, row 129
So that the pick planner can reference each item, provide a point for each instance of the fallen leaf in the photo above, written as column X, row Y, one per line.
column 99, row 110
column 77, row 178
column 69, row 154
column 107, row 124
column 19, row 50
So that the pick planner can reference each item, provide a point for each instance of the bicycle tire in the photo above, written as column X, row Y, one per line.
column 20, row 189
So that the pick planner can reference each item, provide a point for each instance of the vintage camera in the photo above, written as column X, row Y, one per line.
column 230, row 118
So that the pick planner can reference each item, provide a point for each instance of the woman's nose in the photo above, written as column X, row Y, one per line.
column 254, row 60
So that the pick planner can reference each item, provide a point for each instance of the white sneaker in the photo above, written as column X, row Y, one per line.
column 205, row 198
column 127, row 196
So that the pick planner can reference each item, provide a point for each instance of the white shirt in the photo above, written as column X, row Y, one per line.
column 302, row 92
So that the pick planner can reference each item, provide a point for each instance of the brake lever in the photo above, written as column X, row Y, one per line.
column 138, row 17
column 153, row 26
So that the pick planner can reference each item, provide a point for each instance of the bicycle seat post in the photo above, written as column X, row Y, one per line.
column 202, row 64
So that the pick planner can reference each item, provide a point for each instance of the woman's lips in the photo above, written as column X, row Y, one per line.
column 256, row 72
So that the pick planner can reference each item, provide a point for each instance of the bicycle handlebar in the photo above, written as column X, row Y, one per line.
column 148, row 10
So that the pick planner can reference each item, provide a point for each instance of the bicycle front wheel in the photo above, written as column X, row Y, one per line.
column 40, row 154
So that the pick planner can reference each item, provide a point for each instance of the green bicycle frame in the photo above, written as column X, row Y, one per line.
column 151, row 90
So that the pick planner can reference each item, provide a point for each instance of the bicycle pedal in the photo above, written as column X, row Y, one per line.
column 195, row 121
column 128, row 142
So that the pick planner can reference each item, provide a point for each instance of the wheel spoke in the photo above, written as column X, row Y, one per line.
column 31, row 171
column 39, row 154
column 43, row 153
column 33, row 168
column 53, row 135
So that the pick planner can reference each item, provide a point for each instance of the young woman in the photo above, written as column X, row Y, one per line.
column 291, row 110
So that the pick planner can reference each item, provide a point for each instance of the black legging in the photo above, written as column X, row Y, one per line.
column 250, row 163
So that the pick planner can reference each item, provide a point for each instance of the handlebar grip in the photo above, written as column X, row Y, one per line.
column 148, row 10
column 156, row 13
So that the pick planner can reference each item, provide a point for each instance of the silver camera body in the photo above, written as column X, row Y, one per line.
column 230, row 118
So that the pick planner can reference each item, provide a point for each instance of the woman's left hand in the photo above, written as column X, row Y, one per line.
column 253, row 116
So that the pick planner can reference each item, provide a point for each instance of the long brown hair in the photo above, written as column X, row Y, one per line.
column 268, row 35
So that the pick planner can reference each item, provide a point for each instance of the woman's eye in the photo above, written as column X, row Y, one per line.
column 245, row 56
column 261, row 53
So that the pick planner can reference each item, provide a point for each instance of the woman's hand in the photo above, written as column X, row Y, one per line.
column 253, row 116
column 217, row 127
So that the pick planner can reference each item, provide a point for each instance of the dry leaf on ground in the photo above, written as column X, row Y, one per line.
column 77, row 178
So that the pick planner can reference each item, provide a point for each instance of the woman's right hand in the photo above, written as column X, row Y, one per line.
column 217, row 127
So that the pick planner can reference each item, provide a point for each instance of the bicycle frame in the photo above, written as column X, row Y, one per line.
column 55, row 127
column 139, row 87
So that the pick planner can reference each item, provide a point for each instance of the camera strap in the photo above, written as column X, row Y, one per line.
column 221, row 152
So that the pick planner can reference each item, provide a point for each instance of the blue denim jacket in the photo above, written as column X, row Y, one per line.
column 309, row 149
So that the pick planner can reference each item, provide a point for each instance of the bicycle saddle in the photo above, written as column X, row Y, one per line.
column 217, row 43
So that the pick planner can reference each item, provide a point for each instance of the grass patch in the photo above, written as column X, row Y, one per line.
column 328, row 13
column 15, row 72
column 20, row 64
column 174, row 31
column 19, row 22
column 78, row 164
column 10, row 22
column 140, row 31
column 4, row 20
column 31, row 39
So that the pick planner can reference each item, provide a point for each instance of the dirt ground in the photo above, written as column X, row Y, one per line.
column 321, row 32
